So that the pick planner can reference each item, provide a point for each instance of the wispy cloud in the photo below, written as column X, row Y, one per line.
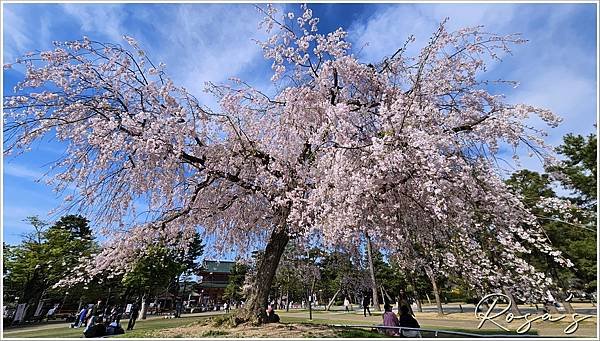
column 205, row 43
column 21, row 171
column 556, row 68
column 14, row 220
column 16, row 38
column 387, row 29
column 106, row 19
column 199, row 43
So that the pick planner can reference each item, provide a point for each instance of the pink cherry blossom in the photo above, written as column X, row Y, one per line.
column 404, row 149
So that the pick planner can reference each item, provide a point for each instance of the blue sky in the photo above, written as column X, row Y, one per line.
column 212, row 42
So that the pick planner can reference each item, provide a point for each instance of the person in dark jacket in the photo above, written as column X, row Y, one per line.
column 407, row 320
column 271, row 316
column 366, row 301
column 97, row 330
column 133, row 315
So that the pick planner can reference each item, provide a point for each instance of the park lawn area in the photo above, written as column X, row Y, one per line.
column 294, row 324
column 458, row 322
column 317, row 320
column 47, row 333
column 142, row 329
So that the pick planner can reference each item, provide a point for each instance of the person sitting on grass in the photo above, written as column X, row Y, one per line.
column 98, row 329
column 407, row 320
column 80, row 320
column 114, row 328
column 390, row 320
column 271, row 316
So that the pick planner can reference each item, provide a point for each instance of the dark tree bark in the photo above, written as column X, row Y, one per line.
column 254, row 309
column 372, row 273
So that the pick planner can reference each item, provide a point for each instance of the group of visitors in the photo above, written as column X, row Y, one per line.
column 406, row 320
column 102, row 320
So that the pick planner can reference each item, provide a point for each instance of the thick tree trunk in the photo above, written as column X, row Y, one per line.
column 436, row 292
column 568, row 307
column 332, row 300
column 254, row 309
column 513, row 307
column 372, row 273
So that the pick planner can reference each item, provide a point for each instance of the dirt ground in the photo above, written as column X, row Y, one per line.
column 451, row 321
column 275, row 330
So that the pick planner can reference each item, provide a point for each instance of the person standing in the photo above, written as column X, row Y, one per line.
column 133, row 315
column 98, row 308
column 119, row 315
column 178, row 308
column 365, row 303
column 347, row 304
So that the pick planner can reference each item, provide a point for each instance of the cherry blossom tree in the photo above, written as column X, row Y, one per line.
column 343, row 148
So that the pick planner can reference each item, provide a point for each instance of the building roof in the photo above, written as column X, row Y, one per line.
column 212, row 285
column 217, row 266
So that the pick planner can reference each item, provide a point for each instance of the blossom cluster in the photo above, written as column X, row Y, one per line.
column 402, row 150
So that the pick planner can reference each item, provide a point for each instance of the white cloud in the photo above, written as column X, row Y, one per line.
column 105, row 19
column 556, row 68
column 198, row 42
column 206, row 43
column 387, row 30
column 563, row 91
column 14, row 224
column 16, row 39
column 20, row 171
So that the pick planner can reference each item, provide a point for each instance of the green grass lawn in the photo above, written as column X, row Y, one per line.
column 145, row 328
column 49, row 333
column 320, row 320
column 142, row 329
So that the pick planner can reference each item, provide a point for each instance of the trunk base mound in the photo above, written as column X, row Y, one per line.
column 232, row 321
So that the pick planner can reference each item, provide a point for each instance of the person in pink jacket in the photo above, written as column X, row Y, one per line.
column 390, row 320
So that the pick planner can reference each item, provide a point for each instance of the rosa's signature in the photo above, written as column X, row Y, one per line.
column 490, row 315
